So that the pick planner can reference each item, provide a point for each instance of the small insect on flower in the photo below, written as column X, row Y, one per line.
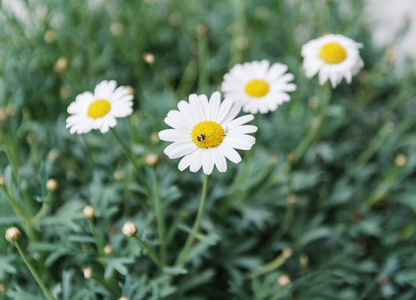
column 206, row 132
column 334, row 57
column 258, row 86
column 100, row 109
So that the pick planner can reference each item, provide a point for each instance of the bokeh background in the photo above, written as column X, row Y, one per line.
column 338, row 224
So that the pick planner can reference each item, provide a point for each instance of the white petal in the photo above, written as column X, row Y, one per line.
column 179, row 149
column 214, row 106
column 225, row 107
column 208, row 162
column 229, row 153
column 172, row 135
column 239, row 121
column 220, row 161
column 242, row 129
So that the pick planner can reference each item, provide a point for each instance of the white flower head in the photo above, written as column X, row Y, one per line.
column 205, row 133
column 100, row 109
column 258, row 86
column 334, row 57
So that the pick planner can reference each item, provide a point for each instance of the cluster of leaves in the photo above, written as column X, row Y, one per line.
column 346, row 209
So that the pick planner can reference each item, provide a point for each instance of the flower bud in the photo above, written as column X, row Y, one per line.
column 2, row 180
column 12, row 234
column 149, row 57
column 151, row 159
column 123, row 298
column 287, row 252
column 87, row 272
column 108, row 250
column 51, row 185
column 88, row 212
column 304, row 260
column 283, row 280
column 61, row 64
column 2, row 287
column 129, row 229
column 49, row 37
column 116, row 28
column 400, row 160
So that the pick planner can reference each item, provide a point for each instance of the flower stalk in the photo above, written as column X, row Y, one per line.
column 183, row 256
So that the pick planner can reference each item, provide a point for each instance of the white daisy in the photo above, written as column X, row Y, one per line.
column 99, row 110
column 258, row 86
column 334, row 57
column 206, row 132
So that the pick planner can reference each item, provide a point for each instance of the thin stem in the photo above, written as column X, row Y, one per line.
column 133, row 162
column 88, row 149
column 302, row 147
column 183, row 256
column 34, row 273
column 149, row 250
column 97, row 239
column 27, row 225
column 111, row 289
column 159, row 217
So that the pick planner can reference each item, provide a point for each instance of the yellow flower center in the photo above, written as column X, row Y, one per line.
column 332, row 53
column 207, row 134
column 99, row 108
column 257, row 88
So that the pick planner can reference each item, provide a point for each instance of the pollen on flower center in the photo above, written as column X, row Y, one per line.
column 207, row 134
column 99, row 108
column 332, row 53
column 257, row 88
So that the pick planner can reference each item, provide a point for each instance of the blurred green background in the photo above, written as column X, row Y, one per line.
column 338, row 224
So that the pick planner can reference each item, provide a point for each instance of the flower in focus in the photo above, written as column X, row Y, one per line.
column 100, row 109
column 206, row 132
column 334, row 57
column 258, row 86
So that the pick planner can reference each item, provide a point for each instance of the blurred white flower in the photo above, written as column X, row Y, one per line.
column 99, row 110
column 206, row 132
column 334, row 57
column 258, row 86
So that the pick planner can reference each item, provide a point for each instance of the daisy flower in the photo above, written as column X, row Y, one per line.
column 258, row 86
column 206, row 132
column 334, row 57
column 99, row 110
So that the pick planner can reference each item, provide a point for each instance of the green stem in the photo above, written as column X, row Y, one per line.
column 302, row 147
column 88, row 149
column 28, row 226
column 149, row 250
column 183, row 256
column 127, row 151
column 34, row 272
column 271, row 266
column 113, row 290
column 160, row 220
column 97, row 239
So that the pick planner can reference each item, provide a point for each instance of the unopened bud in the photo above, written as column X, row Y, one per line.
column 2, row 287
column 61, row 64
column 292, row 199
column 49, row 36
column 201, row 29
column 291, row 156
column 283, row 280
column 108, row 250
column 287, row 252
column 87, row 272
column 2, row 180
column 304, row 260
column 88, row 212
column 149, row 57
column 123, row 298
column 12, row 234
column 129, row 229
column 400, row 160
column 118, row 175
column 116, row 28
column 151, row 159
column 51, row 185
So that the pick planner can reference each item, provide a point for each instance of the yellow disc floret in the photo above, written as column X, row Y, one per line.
column 207, row 134
column 332, row 53
column 99, row 108
column 257, row 88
